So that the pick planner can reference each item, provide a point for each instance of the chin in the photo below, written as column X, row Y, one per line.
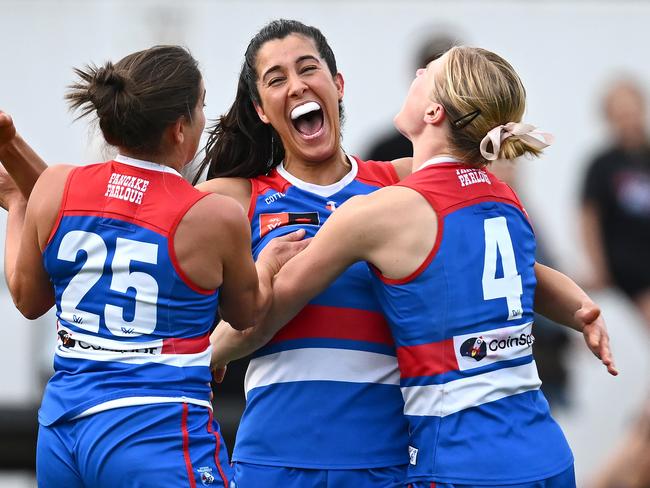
column 319, row 153
column 397, row 122
column 402, row 130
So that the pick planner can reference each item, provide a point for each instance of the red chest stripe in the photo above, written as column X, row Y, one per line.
column 186, row 346
column 427, row 359
column 318, row 321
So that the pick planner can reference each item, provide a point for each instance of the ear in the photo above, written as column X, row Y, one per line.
column 261, row 114
column 177, row 131
column 340, row 84
column 434, row 114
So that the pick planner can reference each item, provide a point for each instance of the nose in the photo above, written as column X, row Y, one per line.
column 297, row 86
column 420, row 71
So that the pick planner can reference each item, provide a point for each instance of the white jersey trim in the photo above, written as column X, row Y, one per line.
column 458, row 395
column 321, row 364
column 134, row 401
column 322, row 190
column 438, row 160
column 139, row 163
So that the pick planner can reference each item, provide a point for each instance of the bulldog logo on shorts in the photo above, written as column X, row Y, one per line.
column 206, row 475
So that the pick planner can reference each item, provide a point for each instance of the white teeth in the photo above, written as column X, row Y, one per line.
column 303, row 109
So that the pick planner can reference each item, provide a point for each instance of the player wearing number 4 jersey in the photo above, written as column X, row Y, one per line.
column 137, row 262
column 452, row 255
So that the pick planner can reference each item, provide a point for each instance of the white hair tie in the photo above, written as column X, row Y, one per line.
column 525, row 132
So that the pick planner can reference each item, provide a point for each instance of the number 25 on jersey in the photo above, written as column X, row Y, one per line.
column 145, row 285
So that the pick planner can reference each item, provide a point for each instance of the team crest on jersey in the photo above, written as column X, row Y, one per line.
column 207, row 477
column 474, row 347
column 268, row 222
column 413, row 455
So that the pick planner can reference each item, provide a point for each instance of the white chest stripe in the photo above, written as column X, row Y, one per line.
column 458, row 395
column 321, row 364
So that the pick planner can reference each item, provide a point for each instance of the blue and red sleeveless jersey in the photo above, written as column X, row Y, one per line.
column 132, row 328
column 462, row 324
column 324, row 393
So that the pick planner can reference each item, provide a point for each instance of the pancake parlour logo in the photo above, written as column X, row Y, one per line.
column 474, row 347
column 127, row 188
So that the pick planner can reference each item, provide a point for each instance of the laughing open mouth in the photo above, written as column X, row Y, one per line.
column 307, row 118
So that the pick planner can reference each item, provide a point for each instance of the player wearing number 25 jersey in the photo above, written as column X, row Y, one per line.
column 133, row 330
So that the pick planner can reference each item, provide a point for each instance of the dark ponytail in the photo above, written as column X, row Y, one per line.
column 139, row 96
column 240, row 144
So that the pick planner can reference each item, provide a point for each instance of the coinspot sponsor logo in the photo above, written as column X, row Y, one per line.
column 478, row 348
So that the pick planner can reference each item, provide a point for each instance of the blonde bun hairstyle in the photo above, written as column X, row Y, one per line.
column 480, row 91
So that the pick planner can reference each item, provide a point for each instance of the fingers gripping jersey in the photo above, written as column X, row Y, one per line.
column 463, row 330
column 324, row 393
column 132, row 328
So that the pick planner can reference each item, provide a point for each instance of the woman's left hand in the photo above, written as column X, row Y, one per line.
column 9, row 192
column 7, row 128
column 595, row 334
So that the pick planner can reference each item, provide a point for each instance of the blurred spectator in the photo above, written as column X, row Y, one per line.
column 394, row 145
column 616, row 200
column 616, row 232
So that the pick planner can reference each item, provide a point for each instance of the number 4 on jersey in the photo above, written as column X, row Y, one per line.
column 498, row 242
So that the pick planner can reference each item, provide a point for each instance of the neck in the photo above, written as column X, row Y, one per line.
column 170, row 160
column 426, row 148
column 325, row 172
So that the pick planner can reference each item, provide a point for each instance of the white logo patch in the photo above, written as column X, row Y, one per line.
column 413, row 455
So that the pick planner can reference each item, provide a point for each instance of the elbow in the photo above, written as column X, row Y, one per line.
column 30, row 307
column 253, row 334
column 239, row 321
column 250, row 318
column 240, row 325
column 29, row 311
